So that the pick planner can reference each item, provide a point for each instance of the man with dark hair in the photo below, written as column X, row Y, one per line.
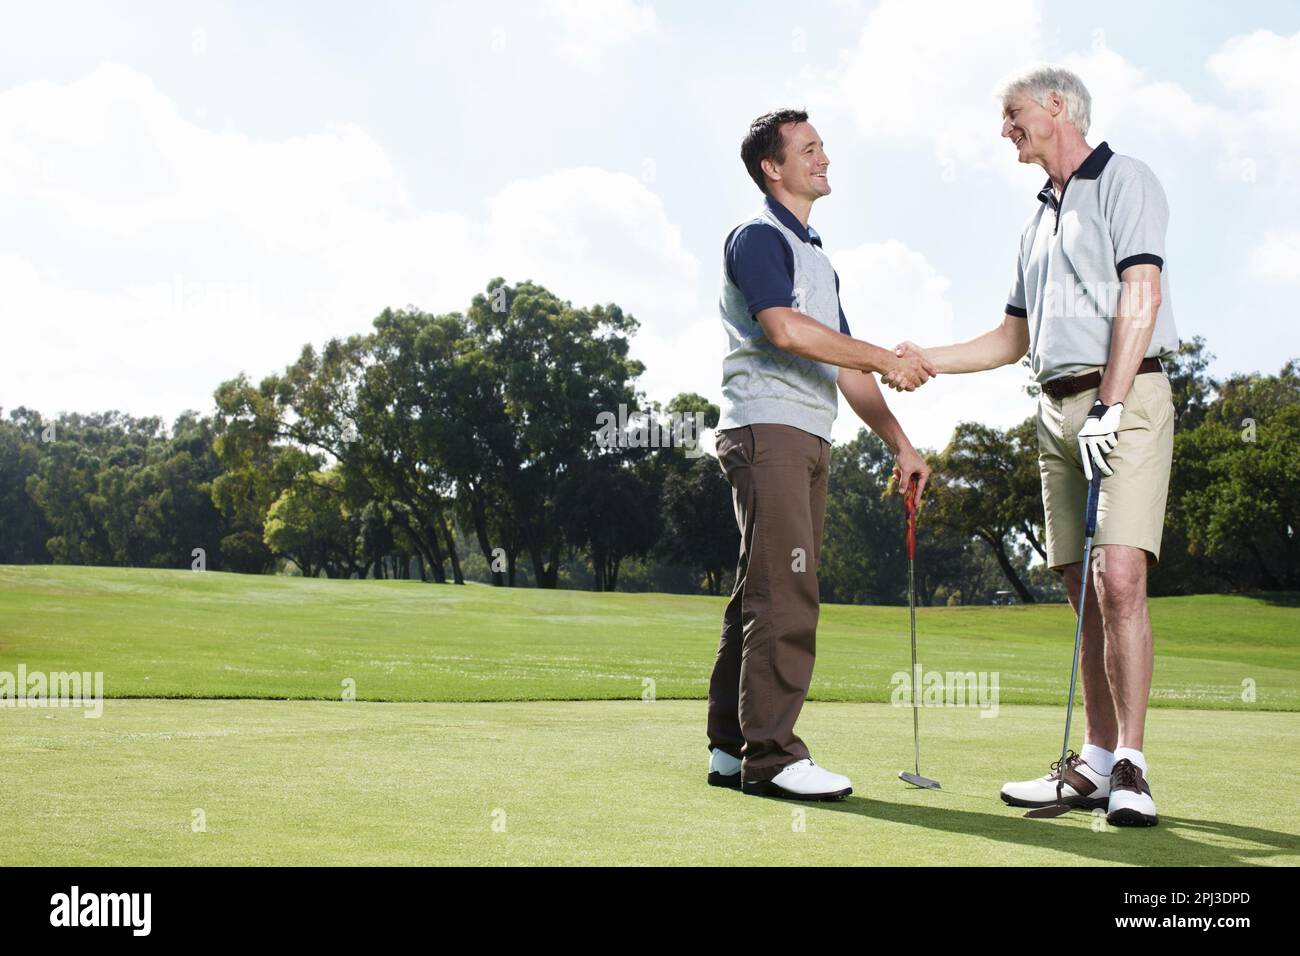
column 765, row 141
column 789, row 347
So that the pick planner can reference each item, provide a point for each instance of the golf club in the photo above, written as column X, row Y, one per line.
column 1090, row 528
column 915, row 779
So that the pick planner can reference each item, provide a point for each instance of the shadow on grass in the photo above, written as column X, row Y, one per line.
column 1167, row 844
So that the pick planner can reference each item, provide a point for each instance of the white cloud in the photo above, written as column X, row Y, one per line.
column 597, row 235
column 1263, row 66
column 1277, row 256
column 888, row 289
column 927, row 71
column 1261, row 70
column 1124, row 98
column 169, row 256
column 1252, row 141
column 593, row 28
column 111, row 154
column 689, row 360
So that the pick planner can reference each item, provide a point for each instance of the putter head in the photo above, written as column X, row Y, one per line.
column 916, row 780
column 1058, row 809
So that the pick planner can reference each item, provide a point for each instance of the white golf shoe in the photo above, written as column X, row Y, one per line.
column 724, row 770
column 1083, row 788
column 802, row 780
column 1130, row 797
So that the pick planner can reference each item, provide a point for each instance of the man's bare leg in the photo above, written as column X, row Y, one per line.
column 1121, row 585
column 1101, row 728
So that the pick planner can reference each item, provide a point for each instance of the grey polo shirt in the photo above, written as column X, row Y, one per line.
column 1112, row 214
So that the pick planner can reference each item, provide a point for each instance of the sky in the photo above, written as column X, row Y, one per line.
column 191, row 191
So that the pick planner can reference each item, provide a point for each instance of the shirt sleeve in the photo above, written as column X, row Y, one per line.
column 1016, row 302
column 844, row 323
column 1138, row 216
column 761, row 264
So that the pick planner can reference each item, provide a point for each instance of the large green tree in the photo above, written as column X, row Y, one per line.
column 404, row 443
column 23, row 528
column 556, row 368
column 863, row 559
column 609, row 513
column 699, row 521
column 987, row 485
column 1237, row 488
column 314, row 524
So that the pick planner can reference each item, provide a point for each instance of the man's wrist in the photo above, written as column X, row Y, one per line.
column 940, row 357
column 887, row 431
column 876, row 359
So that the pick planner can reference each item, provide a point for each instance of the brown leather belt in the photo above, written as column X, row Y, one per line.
column 1067, row 385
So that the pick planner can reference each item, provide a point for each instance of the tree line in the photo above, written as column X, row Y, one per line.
column 464, row 446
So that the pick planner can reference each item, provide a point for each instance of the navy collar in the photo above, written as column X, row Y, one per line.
column 1090, row 168
column 788, row 219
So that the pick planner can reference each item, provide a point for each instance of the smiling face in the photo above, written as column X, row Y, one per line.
column 804, row 171
column 1031, row 127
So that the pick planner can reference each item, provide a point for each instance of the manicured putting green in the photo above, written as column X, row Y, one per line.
column 612, row 782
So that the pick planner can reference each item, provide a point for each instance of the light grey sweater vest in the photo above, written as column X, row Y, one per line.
column 764, row 384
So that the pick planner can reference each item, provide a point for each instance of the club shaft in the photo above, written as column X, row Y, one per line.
column 1074, row 663
column 916, row 677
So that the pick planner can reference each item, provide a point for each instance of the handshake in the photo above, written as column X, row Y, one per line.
column 911, row 368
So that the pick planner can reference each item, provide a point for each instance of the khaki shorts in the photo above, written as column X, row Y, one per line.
column 1131, row 510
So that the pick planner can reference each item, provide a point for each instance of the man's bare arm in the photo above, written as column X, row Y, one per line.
column 1000, row 346
column 803, row 335
column 1130, row 333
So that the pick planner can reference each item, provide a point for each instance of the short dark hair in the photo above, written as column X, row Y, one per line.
column 764, row 141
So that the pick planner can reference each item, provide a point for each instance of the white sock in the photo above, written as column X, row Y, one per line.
column 1134, row 756
column 1098, row 758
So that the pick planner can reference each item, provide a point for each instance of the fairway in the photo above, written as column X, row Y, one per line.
column 601, row 782
column 513, row 727
column 184, row 634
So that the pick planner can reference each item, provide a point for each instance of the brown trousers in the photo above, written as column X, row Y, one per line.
column 778, row 476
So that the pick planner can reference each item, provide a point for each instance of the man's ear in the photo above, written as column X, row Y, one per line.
column 770, row 168
column 1055, row 104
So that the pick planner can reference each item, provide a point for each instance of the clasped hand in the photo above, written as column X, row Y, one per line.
column 911, row 369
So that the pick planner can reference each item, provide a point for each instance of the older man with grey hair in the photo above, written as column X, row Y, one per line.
column 1090, row 304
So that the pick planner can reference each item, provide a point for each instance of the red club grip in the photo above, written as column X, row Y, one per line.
column 909, row 509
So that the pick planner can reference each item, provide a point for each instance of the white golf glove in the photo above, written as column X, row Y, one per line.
column 1098, row 436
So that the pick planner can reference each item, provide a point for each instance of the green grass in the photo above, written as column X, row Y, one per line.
column 182, row 634
column 577, row 774
column 599, row 782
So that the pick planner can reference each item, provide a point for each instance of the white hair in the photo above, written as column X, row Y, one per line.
column 1045, row 79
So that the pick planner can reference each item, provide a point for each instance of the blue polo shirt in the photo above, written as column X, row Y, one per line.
column 761, row 264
